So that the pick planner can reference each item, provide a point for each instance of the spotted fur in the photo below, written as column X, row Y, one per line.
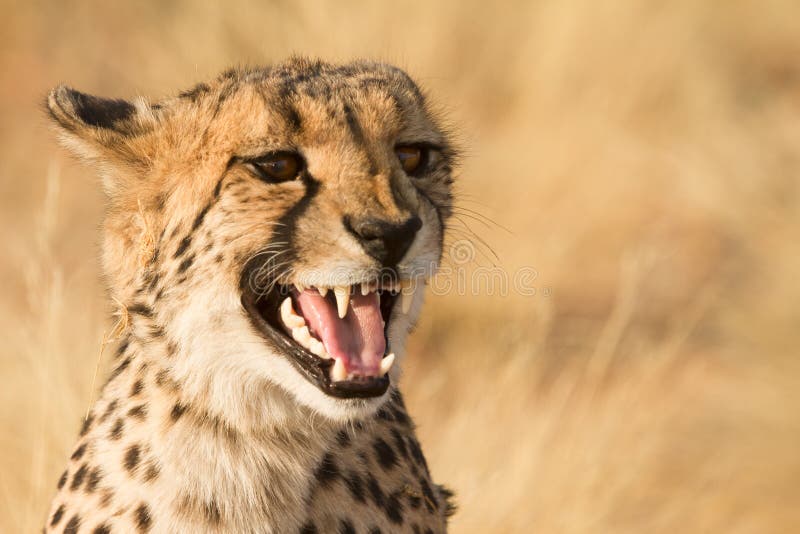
column 203, row 425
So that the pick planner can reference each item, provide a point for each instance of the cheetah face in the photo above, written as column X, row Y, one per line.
column 313, row 195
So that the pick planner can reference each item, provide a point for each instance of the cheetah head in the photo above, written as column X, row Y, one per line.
column 273, row 228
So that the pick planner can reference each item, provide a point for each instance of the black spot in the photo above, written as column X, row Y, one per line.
column 177, row 411
column 428, row 531
column 78, row 452
column 122, row 347
column 100, row 112
column 343, row 438
column 212, row 513
column 385, row 453
column 308, row 528
column 449, row 500
column 292, row 117
column 416, row 453
column 73, row 525
column 132, row 456
column 143, row 520
column 394, row 509
column 384, row 414
column 102, row 529
column 109, row 410
column 107, row 497
column 346, row 527
column 87, row 424
column 327, row 470
column 414, row 500
column 200, row 216
column 185, row 264
column 356, row 486
column 138, row 412
column 59, row 513
column 154, row 282
column 116, row 430
column 140, row 308
column 195, row 92
column 375, row 491
column 400, row 443
column 121, row 367
column 162, row 377
column 184, row 244
column 353, row 125
column 152, row 473
column 62, row 480
column 77, row 478
column 430, row 499
column 375, row 530
column 400, row 416
column 137, row 388
column 94, row 479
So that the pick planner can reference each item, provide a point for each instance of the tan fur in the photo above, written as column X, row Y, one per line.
column 204, row 426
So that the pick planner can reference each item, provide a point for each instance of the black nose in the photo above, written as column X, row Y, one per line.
column 386, row 241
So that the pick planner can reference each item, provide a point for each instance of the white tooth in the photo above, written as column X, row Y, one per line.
column 322, row 291
column 302, row 336
column 316, row 347
column 300, row 287
column 406, row 295
column 289, row 317
column 386, row 363
column 342, row 299
column 338, row 372
column 365, row 288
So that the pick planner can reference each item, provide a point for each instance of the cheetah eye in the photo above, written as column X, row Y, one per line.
column 413, row 158
column 277, row 167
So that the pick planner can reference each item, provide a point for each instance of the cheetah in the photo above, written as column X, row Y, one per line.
column 267, row 237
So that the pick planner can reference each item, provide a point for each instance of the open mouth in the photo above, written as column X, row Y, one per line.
column 335, row 336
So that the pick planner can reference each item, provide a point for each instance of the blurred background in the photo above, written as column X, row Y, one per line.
column 638, row 160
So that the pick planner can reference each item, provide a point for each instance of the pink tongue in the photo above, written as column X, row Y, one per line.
column 357, row 339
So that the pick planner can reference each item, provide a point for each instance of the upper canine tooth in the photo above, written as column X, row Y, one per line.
column 386, row 363
column 342, row 299
column 289, row 317
column 338, row 372
column 302, row 336
column 322, row 291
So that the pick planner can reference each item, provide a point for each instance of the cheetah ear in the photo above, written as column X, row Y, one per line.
column 108, row 131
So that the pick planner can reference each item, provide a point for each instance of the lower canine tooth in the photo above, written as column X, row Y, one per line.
column 386, row 363
column 316, row 347
column 338, row 372
column 302, row 336
column 289, row 317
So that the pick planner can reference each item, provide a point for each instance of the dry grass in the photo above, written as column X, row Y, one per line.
column 644, row 156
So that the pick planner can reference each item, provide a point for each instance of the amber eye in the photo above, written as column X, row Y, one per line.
column 278, row 167
column 411, row 158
